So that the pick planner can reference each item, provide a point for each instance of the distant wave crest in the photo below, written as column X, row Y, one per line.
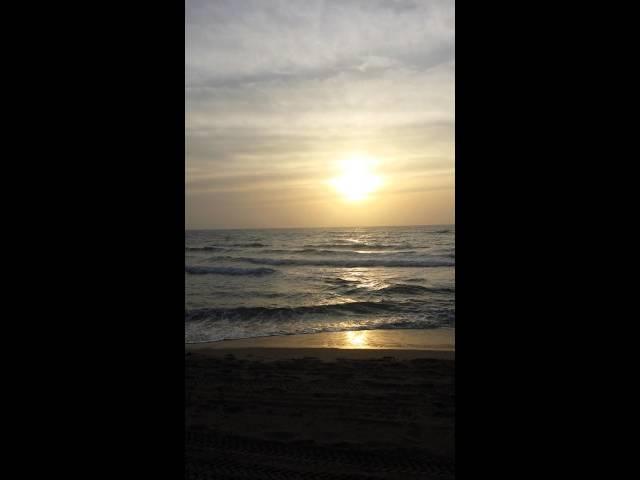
column 361, row 246
column 252, row 313
column 395, row 289
column 406, row 289
column 227, row 246
column 341, row 252
column 349, row 263
column 206, row 270
column 205, row 248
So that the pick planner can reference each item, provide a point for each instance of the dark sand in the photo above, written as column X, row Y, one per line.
column 377, row 404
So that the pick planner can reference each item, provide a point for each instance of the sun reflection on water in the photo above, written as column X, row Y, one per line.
column 356, row 339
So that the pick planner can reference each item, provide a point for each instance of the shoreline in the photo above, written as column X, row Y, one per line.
column 438, row 343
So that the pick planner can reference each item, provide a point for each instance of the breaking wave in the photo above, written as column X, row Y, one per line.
column 348, row 263
column 206, row 270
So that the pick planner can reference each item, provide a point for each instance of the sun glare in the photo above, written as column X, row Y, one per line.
column 356, row 339
column 357, row 180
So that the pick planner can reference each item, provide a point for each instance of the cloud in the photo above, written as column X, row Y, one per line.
column 275, row 91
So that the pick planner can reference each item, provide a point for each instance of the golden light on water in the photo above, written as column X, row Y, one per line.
column 357, row 179
column 356, row 339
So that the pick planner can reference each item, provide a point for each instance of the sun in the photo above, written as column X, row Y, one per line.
column 357, row 180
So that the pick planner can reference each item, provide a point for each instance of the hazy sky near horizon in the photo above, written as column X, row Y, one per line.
column 278, row 93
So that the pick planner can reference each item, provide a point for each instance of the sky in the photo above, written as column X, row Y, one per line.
column 291, row 106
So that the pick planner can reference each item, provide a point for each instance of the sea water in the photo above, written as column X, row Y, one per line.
column 255, row 283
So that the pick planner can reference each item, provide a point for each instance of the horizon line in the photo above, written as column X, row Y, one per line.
column 302, row 228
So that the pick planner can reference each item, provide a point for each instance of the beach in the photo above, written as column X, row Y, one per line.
column 336, row 405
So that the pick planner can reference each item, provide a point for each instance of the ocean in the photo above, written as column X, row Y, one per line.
column 256, row 283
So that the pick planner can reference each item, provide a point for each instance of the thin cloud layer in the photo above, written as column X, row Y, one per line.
column 277, row 92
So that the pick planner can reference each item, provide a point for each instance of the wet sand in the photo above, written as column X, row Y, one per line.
column 424, row 341
column 377, row 404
